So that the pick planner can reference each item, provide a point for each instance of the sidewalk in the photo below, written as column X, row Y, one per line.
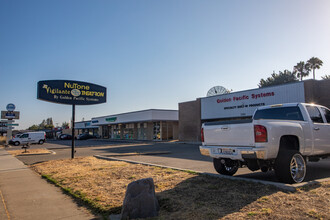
column 25, row 195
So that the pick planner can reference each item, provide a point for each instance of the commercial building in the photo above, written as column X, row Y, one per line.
column 86, row 127
column 152, row 124
column 240, row 105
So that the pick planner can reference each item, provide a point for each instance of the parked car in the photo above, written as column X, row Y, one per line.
column 282, row 137
column 65, row 137
column 85, row 136
column 38, row 137
column 58, row 134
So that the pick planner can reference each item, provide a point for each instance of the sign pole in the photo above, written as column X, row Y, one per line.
column 73, row 132
column 9, row 131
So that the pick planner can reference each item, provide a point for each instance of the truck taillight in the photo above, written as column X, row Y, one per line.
column 202, row 134
column 260, row 133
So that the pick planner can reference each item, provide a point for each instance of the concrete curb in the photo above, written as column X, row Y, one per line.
column 25, row 155
column 183, row 142
column 137, row 154
column 87, row 146
column 282, row 186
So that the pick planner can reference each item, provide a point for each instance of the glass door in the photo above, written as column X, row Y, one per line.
column 156, row 135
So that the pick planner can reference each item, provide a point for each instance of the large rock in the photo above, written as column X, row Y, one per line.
column 140, row 200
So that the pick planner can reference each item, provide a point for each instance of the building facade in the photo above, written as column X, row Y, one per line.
column 86, row 127
column 241, row 105
column 152, row 124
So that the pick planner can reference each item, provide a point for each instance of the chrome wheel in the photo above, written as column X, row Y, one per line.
column 231, row 168
column 298, row 168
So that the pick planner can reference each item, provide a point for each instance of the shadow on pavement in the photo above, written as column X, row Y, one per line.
column 315, row 170
column 180, row 151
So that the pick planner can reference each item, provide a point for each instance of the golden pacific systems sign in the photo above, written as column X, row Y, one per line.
column 71, row 92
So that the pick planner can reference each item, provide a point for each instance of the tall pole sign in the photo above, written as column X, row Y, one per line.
column 10, row 114
column 71, row 93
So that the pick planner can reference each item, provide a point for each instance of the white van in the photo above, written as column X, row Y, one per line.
column 38, row 137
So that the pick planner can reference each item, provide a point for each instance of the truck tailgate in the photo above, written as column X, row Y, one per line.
column 238, row 133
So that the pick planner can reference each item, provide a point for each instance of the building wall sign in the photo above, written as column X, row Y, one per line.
column 112, row 119
column 241, row 104
column 71, row 92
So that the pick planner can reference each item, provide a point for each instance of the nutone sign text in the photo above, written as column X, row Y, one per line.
column 71, row 92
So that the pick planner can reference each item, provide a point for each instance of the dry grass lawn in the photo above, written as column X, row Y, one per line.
column 2, row 140
column 182, row 195
column 28, row 152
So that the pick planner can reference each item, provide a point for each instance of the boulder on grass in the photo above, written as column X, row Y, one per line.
column 140, row 200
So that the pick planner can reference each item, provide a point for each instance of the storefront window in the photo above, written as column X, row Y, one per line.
column 129, row 131
column 116, row 132
column 105, row 131
column 156, row 135
column 142, row 131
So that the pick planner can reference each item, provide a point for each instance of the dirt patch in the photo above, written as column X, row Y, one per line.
column 2, row 140
column 183, row 195
column 29, row 152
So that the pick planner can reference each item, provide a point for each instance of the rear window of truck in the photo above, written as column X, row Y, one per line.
column 283, row 113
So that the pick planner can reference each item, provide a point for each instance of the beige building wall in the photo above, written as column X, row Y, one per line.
column 175, row 130
column 150, row 131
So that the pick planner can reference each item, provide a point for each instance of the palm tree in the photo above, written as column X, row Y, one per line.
column 315, row 63
column 325, row 77
column 301, row 69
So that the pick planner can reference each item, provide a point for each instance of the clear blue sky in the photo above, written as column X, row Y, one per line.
column 151, row 54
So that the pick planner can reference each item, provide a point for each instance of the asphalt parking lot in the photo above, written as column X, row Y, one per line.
column 179, row 155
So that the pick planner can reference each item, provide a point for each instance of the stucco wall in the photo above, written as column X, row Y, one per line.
column 190, row 121
column 318, row 92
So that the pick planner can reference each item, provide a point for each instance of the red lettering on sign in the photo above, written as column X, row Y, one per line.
column 243, row 97
column 224, row 100
column 262, row 95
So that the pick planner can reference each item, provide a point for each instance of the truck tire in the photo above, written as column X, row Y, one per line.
column 290, row 166
column 16, row 143
column 41, row 141
column 225, row 166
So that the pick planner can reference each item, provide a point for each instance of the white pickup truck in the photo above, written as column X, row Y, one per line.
column 281, row 137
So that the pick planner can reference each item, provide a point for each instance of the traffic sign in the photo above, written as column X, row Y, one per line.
column 12, row 124
column 10, row 107
column 9, row 115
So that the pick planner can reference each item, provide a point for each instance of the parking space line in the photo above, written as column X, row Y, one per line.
column 4, row 205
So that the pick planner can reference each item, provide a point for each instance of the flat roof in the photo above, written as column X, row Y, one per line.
column 138, row 116
column 135, row 112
